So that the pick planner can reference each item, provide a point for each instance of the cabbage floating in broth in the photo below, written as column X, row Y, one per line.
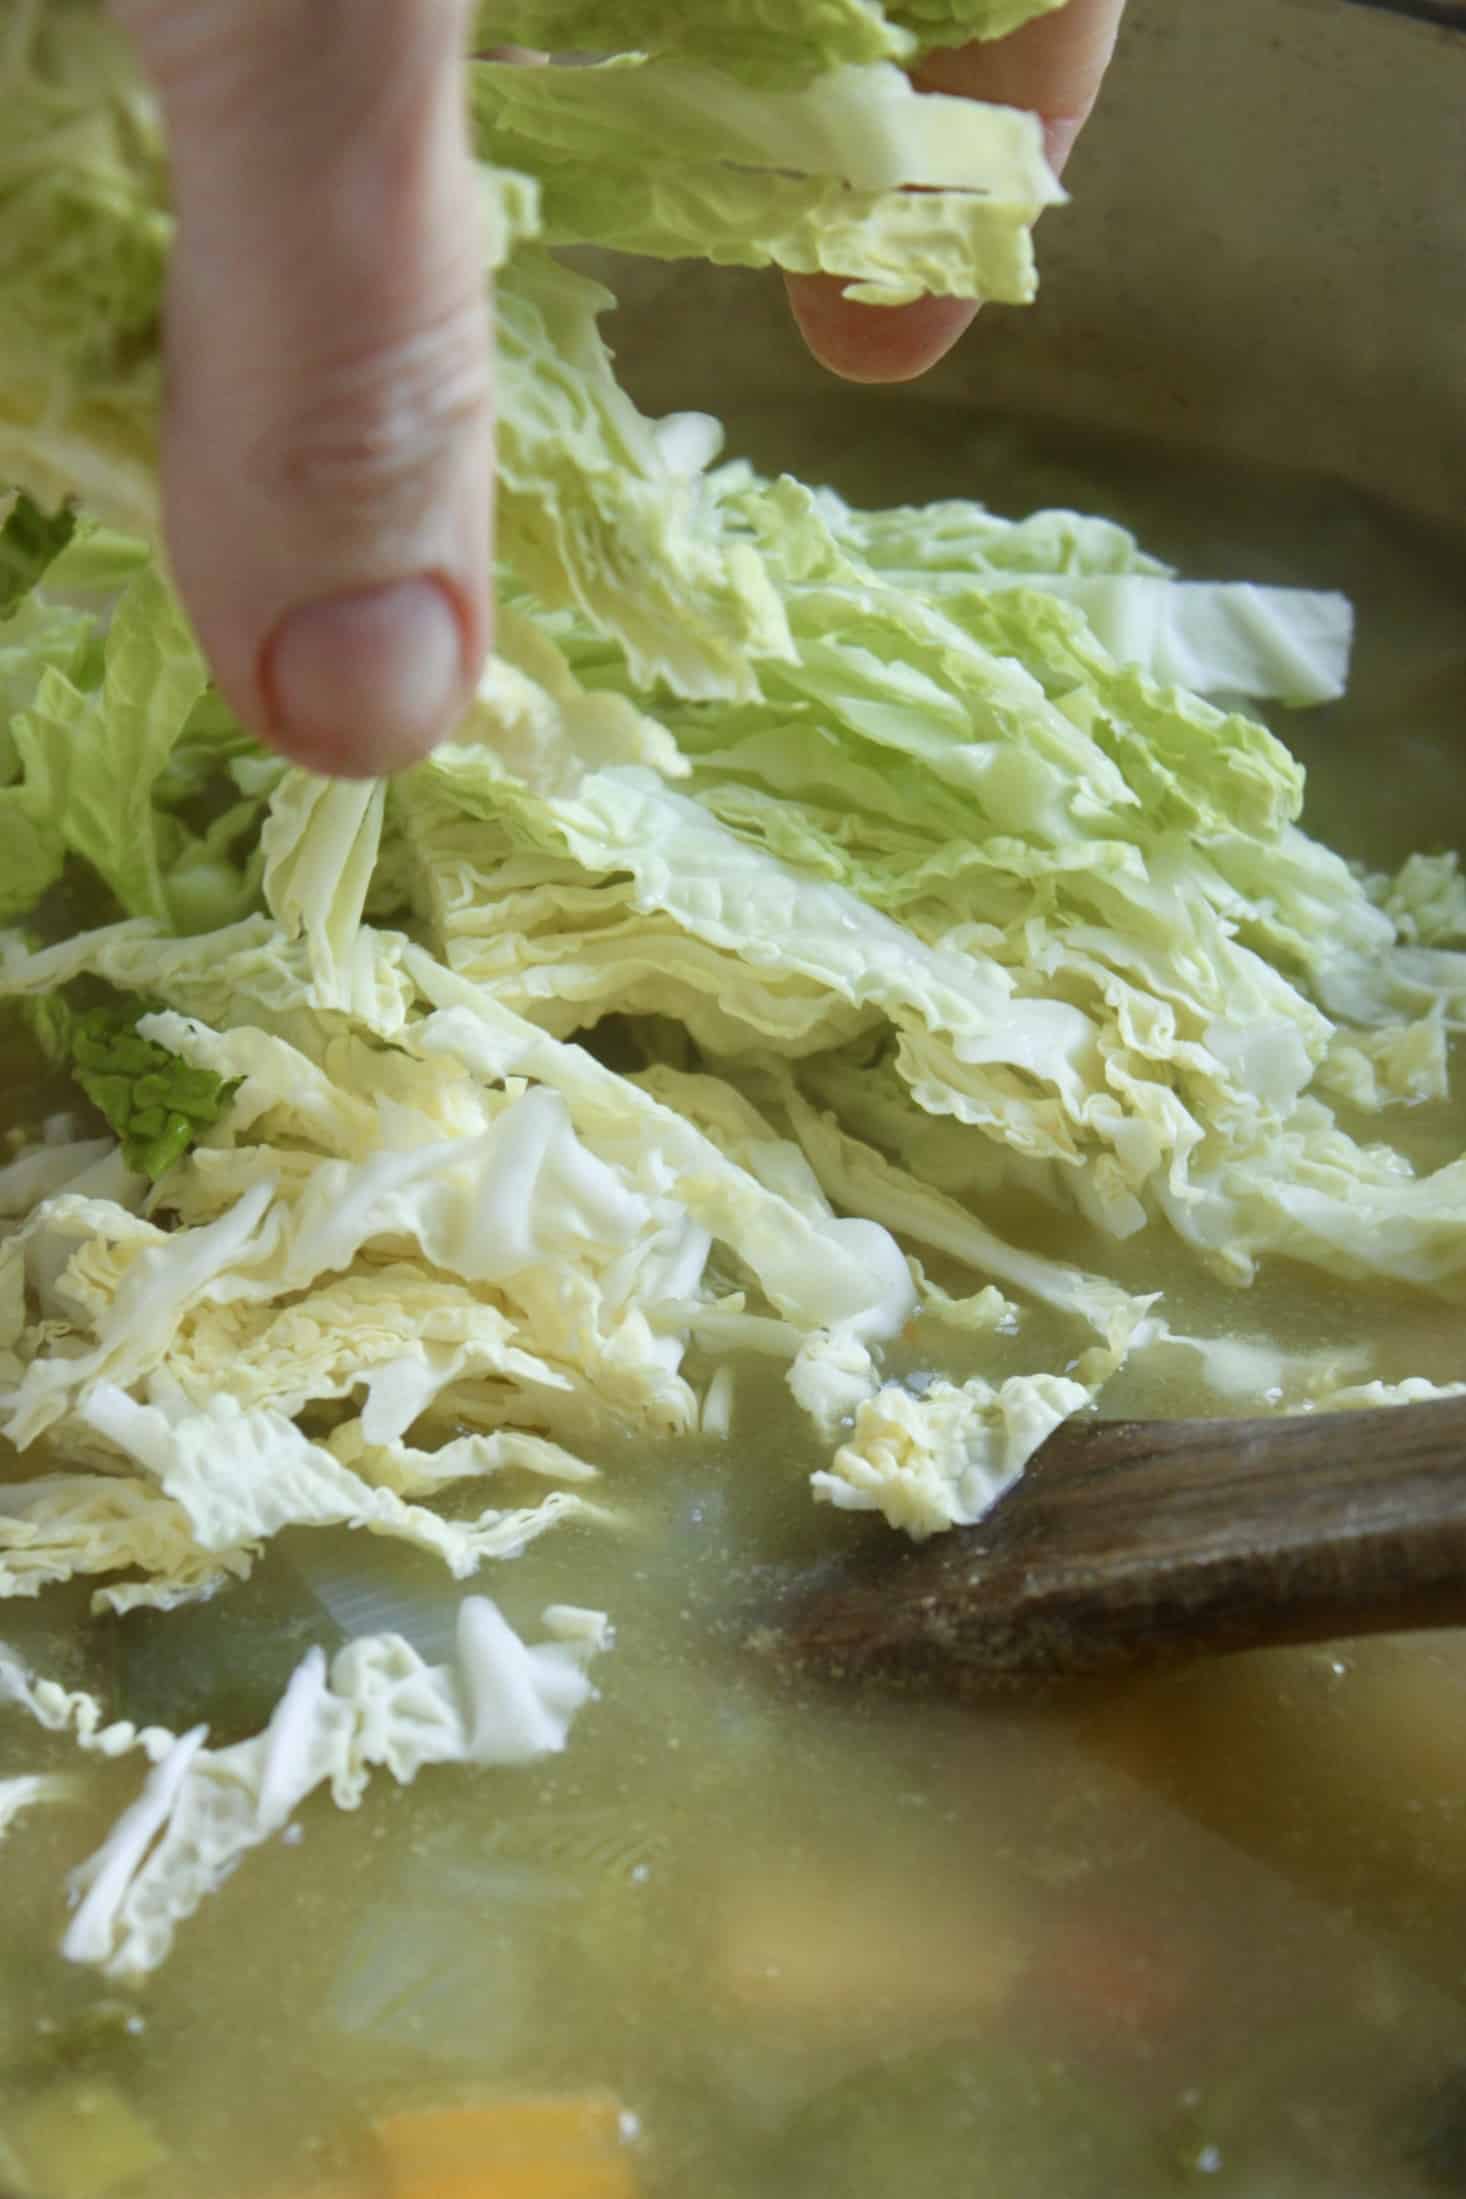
column 815, row 907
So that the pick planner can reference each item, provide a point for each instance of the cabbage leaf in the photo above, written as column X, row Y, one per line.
column 156, row 1104
column 30, row 541
column 757, row 41
column 677, row 161
column 500, row 1703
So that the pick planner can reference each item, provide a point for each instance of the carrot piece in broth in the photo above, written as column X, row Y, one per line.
column 548, row 2147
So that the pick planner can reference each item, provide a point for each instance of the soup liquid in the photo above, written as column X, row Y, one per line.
column 1205, row 1929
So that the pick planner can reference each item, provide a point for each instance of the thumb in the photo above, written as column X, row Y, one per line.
column 327, row 455
column 1053, row 66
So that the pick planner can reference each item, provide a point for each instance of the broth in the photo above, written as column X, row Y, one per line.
column 1204, row 1929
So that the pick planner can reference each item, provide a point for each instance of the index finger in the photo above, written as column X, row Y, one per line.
column 1054, row 67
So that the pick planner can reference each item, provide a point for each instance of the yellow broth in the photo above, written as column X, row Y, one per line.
column 1205, row 1929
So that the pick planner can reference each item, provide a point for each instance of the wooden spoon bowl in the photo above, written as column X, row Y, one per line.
column 1128, row 1542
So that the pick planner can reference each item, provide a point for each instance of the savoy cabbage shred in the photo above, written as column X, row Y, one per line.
column 803, row 881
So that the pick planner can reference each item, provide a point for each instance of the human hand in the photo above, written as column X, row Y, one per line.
column 1054, row 67
column 327, row 459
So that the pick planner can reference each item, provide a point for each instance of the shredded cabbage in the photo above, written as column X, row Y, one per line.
column 24, row 1793
column 202, row 1810
column 804, row 886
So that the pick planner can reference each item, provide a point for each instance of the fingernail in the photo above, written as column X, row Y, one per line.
column 363, row 684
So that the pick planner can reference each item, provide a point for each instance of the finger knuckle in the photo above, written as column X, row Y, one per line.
column 387, row 429
column 198, row 51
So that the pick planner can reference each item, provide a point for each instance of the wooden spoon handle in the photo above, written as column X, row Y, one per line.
column 1134, row 1541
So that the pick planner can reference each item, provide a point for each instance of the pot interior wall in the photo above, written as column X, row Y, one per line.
column 1264, row 258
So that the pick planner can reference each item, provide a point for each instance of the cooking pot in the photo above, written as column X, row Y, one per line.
column 1264, row 258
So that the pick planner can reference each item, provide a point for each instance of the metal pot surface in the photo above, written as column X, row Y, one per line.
column 1264, row 259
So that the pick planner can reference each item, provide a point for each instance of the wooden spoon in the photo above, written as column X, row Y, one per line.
column 1133, row 1541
